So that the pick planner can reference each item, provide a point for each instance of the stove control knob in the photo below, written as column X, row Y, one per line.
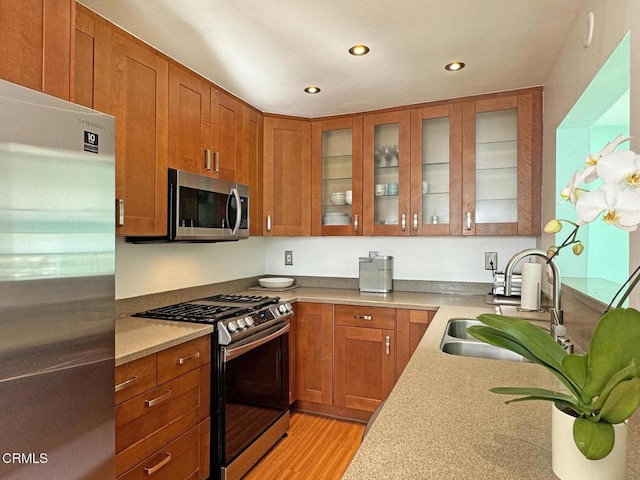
column 249, row 321
column 288, row 307
column 282, row 308
column 231, row 326
column 241, row 323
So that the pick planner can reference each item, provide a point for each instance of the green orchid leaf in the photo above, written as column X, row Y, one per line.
column 575, row 367
column 530, row 336
column 538, row 394
column 615, row 345
column 622, row 401
column 497, row 338
column 595, row 440
column 632, row 371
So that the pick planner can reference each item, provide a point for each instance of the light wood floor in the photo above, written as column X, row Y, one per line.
column 317, row 448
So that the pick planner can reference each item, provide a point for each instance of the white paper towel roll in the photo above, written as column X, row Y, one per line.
column 530, row 295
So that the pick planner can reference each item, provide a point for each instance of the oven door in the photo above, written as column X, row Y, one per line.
column 254, row 388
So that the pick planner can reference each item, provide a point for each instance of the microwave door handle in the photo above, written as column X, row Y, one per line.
column 234, row 192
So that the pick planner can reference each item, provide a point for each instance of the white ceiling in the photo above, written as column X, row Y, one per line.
column 267, row 51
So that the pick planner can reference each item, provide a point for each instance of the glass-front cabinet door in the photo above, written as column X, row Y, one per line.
column 436, row 170
column 337, row 176
column 502, row 163
column 386, row 176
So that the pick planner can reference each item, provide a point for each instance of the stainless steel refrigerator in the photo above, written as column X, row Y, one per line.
column 57, row 262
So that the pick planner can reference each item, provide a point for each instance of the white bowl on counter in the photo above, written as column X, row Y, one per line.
column 275, row 282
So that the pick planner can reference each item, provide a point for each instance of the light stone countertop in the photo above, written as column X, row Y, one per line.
column 441, row 421
column 138, row 337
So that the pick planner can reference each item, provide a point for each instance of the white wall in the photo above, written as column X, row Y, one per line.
column 573, row 70
column 151, row 268
column 433, row 258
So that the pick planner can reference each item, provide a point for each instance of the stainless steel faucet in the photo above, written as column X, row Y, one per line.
column 557, row 329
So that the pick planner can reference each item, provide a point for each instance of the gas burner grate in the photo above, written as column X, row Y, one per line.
column 188, row 311
column 241, row 299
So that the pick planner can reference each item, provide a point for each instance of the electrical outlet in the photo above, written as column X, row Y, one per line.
column 288, row 257
column 490, row 260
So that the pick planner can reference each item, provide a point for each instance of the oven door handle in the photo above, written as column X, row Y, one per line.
column 231, row 353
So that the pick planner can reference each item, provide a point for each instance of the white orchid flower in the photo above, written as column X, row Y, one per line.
column 572, row 191
column 590, row 174
column 620, row 167
column 619, row 207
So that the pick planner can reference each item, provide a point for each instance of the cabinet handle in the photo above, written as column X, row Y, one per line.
column 127, row 383
column 216, row 161
column 181, row 361
column 403, row 222
column 363, row 317
column 269, row 223
column 159, row 465
column 355, row 222
column 157, row 400
column 468, row 220
column 387, row 344
column 119, row 212
column 207, row 159
column 415, row 221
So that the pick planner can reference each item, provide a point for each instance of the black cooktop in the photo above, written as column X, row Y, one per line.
column 210, row 309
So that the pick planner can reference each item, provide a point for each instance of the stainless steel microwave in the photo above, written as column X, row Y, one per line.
column 202, row 208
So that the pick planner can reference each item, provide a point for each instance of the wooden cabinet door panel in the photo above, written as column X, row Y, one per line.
column 249, row 165
column 189, row 119
column 287, row 177
column 146, row 422
column 314, row 352
column 177, row 461
column 410, row 328
column 36, row 44
column 135, row 377
column 141, row 108
column 364, row 366
column 226, row 133
column 178, row 360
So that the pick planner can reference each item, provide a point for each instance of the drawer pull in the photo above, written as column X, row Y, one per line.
column 158, row 466
column 157, row 400
column 127, row 383
column 181, row 361
column 387, row 344
column 363, row 317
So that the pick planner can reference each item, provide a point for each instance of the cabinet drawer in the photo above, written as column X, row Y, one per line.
column 183, row 358
column 135, row 377
column 177, row 461
column 147, row 422
column 357, row 316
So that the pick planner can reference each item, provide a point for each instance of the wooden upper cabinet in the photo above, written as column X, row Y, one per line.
column 386, row 173
column 189, row 122
column 249, row 165
column 336, row 156
column 501, row 155
column 94, row 59
column 141, row 108
column 287, row 177
column 436, row 170
column 226, row 133
column 36, row 44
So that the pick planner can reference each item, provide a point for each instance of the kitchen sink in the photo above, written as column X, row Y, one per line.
column 457, row 341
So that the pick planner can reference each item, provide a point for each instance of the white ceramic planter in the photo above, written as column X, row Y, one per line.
column 569, row 464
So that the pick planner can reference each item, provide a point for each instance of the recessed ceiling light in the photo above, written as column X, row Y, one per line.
column 359, row 50
column 454, row 66
column 312, row 90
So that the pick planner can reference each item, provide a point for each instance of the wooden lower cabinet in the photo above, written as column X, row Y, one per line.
column 163, row 414
column 314, row 352
column 411, row 326
column 348, row 358
column 364, row 366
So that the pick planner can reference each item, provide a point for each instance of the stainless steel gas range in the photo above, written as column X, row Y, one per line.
column 250, row 375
